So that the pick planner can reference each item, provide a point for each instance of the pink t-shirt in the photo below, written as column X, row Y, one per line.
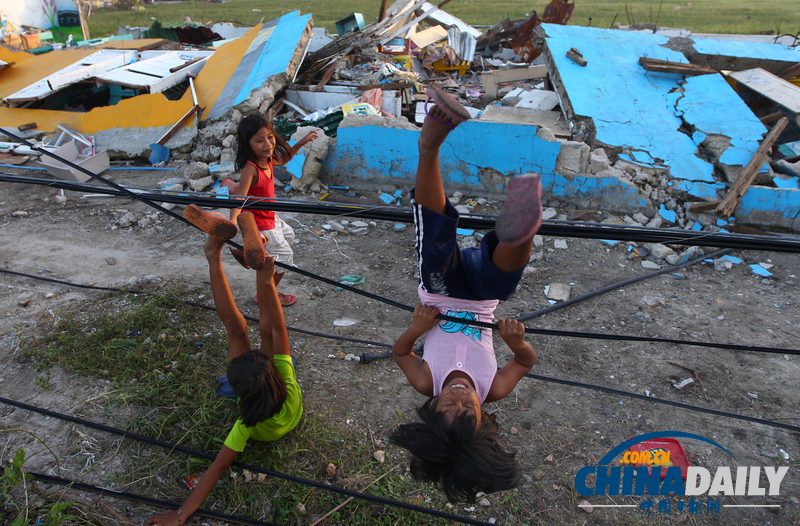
column 451, row 346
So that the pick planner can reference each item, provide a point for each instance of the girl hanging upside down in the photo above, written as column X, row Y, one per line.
column 263, row 379
column 456, row 443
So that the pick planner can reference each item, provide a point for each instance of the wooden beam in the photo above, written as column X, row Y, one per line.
column 382, row 12
column 698, row 208
column 772, row 117
column 735, row 193
column 790, row 72
column 420, row 18
column 680, row 68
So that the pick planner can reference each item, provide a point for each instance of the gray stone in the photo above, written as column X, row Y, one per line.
column 673, row 259
column 722, row 264
column 631, row 221
column 549, row 213
column 612, row 172
column 707, row 220
column 573, row 158
column 359, row 224
column 335, row 225
column 655, row 222
column 658, row 250
column 787, row 168
column 650, row 265
column 558, row 291
column 538, row 240
column 127, row 220
column 640, row 218
column 536, row 256
column 228, row 141
column 560, row 243
column 198, row 185
column 598, row 161
column 613, row 220
column 464, row 209
column 174, row 188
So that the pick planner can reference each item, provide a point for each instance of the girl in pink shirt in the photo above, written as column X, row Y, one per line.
column 457, row 444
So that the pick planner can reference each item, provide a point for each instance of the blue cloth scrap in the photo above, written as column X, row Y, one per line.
column 612, row 242
column 761, row 271
column 464, row 231
column 732, row 259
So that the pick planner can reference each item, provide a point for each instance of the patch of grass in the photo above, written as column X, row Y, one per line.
column 721, row 16
column 162, row 358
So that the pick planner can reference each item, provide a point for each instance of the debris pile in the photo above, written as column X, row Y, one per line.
column 620, row 120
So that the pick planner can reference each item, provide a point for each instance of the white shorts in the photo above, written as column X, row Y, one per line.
column 279, row 243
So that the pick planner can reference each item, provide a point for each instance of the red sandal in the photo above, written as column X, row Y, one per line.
column 522, row 215
column 255, row 253
column 212, row 223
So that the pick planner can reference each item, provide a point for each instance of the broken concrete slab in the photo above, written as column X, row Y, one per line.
column 738, row 55
column 252, row 68
column 573, row 158
column 314, row 153
column 553, row 121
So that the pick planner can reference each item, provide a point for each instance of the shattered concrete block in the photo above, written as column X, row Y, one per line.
column 786, row 168
column 558, row 291
column 631, row 221
column 196, row 170
column 178, row 187
column 573, row 159
column 228, row 141
column 198, row 185
column 353, row 121
column 658, row 250
column 127, row 220
column 707, row 219
column 612, row 172
column 640, row 218
column 598, row 161
column 655, row 222
column 673, row 259
column 315, row 152
column 549, row 213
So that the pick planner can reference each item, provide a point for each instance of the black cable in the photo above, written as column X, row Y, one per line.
column 192, row 303
column 255, row 469
column 108, row 492
column 614, row 286
column 771, row 243
column 665, row 402
column 528, row 330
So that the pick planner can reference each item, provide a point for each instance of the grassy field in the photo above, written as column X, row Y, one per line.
column 703, row 16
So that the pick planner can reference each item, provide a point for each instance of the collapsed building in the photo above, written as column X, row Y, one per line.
column 615, row 120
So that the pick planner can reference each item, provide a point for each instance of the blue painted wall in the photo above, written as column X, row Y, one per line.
column 370, row 152
column 770, row 207
column 473, row 153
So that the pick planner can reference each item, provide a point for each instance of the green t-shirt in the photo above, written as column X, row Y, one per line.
column 280, row 423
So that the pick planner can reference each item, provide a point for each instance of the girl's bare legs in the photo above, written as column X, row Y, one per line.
column 232, row 319
column 429, row 190
column 512, row 257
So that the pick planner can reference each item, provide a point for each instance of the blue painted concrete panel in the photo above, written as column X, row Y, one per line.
column 758, row 50
column 277, row 52
column 629, row 106
column 759, row 199
column 789, row 182
column 713, row 107
column 374, row 151
column 707, row 191
column 606, row 192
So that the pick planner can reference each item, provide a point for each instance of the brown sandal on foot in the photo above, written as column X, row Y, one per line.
column 212, row 223
column 255, row 253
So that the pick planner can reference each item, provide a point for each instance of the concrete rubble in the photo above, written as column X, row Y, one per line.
column 661, row 146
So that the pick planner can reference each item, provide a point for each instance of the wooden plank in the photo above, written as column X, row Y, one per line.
column 414, row 21
column 680, row 68
column 491, row 79
column 382, row 11
column 728, row 204
column 772, row 117
column 790, row 72
column 85, row 70
column 771, row 86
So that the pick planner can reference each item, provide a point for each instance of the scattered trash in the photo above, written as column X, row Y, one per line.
column 345, row 322
column 351, row 279
column 683, row 383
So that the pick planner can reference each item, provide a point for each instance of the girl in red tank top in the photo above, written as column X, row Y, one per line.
column 259, row 149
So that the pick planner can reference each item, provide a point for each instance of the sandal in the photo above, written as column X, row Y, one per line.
column 286, row 299
column 238, row 255
column 255, row 253
column 455, row 112
column 212, row 223
column 522, row 215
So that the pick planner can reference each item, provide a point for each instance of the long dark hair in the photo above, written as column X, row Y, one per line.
column 464, row 458
column 249, row 126
column 258, row 385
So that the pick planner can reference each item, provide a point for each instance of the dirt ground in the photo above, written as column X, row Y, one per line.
column 556, row 429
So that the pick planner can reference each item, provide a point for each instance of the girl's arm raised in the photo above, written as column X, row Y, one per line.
column 513, row 333
column 246, row 180
column 296, row 148
column 178, row 517
column 415, row 369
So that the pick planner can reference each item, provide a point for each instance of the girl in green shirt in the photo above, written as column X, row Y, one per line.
column 264, row 380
